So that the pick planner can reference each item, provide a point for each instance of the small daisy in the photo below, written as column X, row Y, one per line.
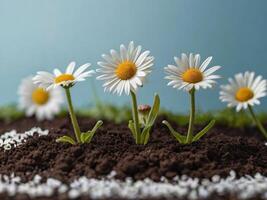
column 39, row 102
column 244, row 90
column 67, row 79
column 125, row 71
column 190, row 73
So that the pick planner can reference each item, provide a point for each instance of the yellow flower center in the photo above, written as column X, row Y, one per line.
column 40, row 96
column 244, row 94
column 64, row 77
column 192, row 75
column 126, row 70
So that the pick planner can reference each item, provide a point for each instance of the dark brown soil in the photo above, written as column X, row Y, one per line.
column 113, row 148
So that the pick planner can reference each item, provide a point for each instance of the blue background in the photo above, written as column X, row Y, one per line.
column 40, row 35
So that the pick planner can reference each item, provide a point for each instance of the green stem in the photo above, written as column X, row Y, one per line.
column 192, row 117
column 135, row 118
column 258, row 123
column 73, row 116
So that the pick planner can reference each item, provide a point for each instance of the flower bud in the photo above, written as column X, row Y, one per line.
column 144, row 109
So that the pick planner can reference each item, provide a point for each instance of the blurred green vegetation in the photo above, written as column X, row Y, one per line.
column 228, row 117
column 108, row 112
column 10, row 112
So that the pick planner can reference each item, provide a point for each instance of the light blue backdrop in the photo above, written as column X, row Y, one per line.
column 40, row 35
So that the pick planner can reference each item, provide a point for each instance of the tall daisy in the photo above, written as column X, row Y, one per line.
column 244, row 91
column 124, row 72
column 191, row 75
column 39, row 102
column 67, row 80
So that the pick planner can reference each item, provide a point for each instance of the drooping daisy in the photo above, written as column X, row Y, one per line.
column 125, row 71
column 244, row 90
column 39, row 102
column 191, row 73
column 67, row 79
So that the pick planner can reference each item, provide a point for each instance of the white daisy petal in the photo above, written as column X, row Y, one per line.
column 141, row 73
column 137, row 53
column 45, row 75
column 211, row 70
column 142, row 57
column 130, row 50
column 205, row 64
column 115, row 56
column 70, row 68
column 191, row 60
column 197, row 60
column 81, row 69
column 110, row 60
column 185, row 59
column 123, row 52
column 57, row 72
column 180, row 63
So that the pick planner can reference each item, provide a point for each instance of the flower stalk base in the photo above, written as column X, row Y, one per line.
column 80, row 137
column 190, row 138
column 257, row 122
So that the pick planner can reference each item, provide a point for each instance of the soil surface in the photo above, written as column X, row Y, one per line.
column 223, row 149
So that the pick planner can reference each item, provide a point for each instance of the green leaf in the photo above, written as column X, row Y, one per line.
column 179, row 137
column 131, row 127
column 97, row 125
column 145, row 134
column 87, row 136
column 204, row 131
column 154, row 111
column 66, row 139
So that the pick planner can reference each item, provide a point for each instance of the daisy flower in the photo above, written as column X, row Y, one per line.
column 191, row 73
column 39, row 102
column 67, row 79
column 125, row 71
column 244, row 91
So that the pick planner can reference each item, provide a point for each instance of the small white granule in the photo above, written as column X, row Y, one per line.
column 184, row 187
column 12, row 139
